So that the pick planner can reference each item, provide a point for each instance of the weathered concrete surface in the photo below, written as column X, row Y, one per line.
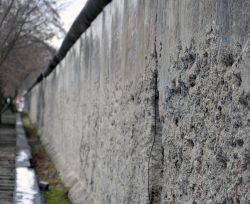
column 152, row 105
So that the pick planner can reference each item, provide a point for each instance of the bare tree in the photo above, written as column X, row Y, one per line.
column 25, row 26
column 23, row 65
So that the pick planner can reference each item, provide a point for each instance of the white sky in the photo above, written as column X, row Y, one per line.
column 68, row 14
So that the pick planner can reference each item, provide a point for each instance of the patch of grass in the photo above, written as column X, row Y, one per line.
column 44, row 167
column 29, row 127
column 56, row 196
column 36, row 149
column 27, row 124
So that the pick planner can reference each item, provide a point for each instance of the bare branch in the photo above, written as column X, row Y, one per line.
column 6, row 13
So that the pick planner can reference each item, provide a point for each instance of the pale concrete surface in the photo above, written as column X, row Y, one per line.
column 166, row 80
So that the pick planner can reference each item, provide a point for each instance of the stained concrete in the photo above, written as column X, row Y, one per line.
column 152, row 105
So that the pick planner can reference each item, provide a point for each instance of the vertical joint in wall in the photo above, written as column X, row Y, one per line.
column 156, row 156
column 155, row 166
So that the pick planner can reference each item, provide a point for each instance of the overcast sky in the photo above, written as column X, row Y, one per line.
column 68, row 14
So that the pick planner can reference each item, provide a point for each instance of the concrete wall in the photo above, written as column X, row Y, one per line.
column 152, row 105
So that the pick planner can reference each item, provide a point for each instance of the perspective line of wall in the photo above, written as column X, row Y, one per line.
column 152, row 105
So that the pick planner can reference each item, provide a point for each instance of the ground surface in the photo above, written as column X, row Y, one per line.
column 44, row 168
column 7, row 158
